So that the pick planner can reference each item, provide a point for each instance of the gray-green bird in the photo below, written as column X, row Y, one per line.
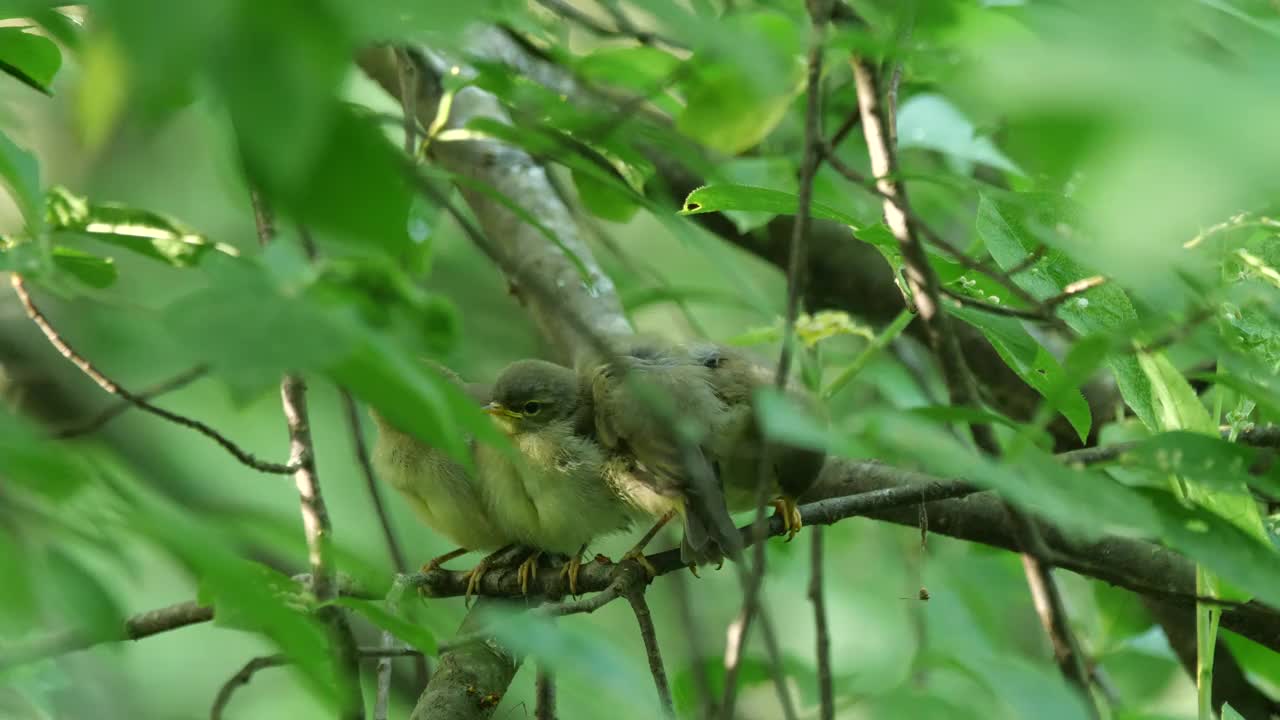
column 441, row 491
column 741, row 446
column 661, row 408
column 555, row 495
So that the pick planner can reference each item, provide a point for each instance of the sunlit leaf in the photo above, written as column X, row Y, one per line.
column 21, row 173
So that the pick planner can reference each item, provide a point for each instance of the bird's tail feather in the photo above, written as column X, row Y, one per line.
column 709, row 532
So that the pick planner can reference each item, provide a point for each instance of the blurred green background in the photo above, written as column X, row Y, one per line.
column 1157, row 118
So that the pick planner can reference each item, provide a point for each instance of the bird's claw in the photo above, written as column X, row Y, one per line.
column 528, row 571
column 570, row 570
column 474, row 576
column 790, row 512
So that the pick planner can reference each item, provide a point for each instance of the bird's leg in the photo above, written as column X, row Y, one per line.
column 790, row 512
column 571, row 569
column 476, row 574
column 528, row 570
column 439, row 560
column 636, row 553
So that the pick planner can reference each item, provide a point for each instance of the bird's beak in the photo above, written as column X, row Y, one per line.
column 499, row 410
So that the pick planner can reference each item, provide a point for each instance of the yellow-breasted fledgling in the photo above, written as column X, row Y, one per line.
column 553, row 496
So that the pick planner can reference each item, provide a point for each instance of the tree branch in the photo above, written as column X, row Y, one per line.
column 826, row 691
column 137, row 400
column 98, row 421
column 650, row 637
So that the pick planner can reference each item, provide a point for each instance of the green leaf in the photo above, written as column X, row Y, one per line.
column 21, row 173
column 929, row 121
column 1213, row 463
column 279, row 86
column 414, row 397
column 604, row 201
column 1012, row 229
column 1122, row 616
column 720, row 198
column 784, row 419
column 94, row 271
column 354, row 190
column 249, row 331
column 82, row 598
column 1180, row 409
column 731, row 107
column 147, row 233
column 32, row 59
column 1081, row 500
column 634, row 299
column 404, row 630
column 62, row 28
column 636, row 68
column 1229, row 713
column 37, row 464
column 1030, row 361
column 778, row 172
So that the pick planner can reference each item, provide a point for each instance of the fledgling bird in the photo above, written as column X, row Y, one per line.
column 661, row 409
column 554, row 496
column 742, row 446
column 441, row 491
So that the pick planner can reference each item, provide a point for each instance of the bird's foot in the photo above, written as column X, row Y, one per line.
column 636, row 555
column 571, row 568
column 790, row 512
column 528, row 570
column 439, row 560
column 693, row 568
column 477, row 573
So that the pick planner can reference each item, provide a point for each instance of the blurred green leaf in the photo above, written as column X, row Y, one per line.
column 250, row 331
column 39, row 465
column 1014, row 227
column 775, row 172
column 21, row 173
column 1211, row 461
column 279, row 86
column 81, row 598
column 929, row 121
column 94, row 271
column 635, row 68
column 404, row 630
column 1229, row 713
column 603, row 201
column 1080, row 499
column 30, row 58
column 728, row 107
column 60, row 26
column 1121, row 616
column 1029, row 360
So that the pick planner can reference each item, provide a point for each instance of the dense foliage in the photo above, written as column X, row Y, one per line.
column 1095, row 183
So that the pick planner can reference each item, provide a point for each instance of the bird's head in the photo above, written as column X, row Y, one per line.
column 531, row 394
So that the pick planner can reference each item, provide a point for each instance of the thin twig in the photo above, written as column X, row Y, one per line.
column 371, row 483
column 795, row 284
column 624, row 29
column 315, row 517
column 246, row 673
column 545, row 695
column 960, row 381
column 111, row 386
column 826, row 692
column 650, row 636
column 111, row 413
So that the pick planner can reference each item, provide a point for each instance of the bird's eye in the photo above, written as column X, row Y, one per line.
column 532, row 407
